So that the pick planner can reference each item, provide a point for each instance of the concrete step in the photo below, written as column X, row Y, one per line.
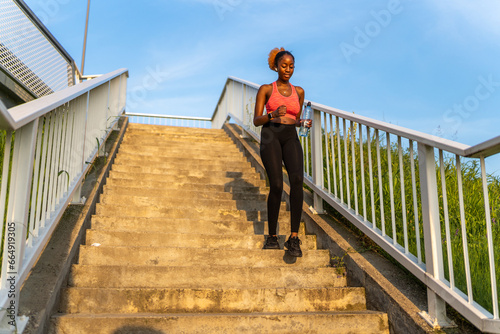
column 185, row 257
column 206, row 277
column 234, row 187
column 149, row 130
column 247, row 173
column 197, row 153
column 154, row 145
column 139, row 238
column 360, row 322
column 180, row 193
column 170, row 136
column 188, row 225
column 143, row 300
column 159, row 211
column 181, row 178
column 181, row 162
column 192, row 160
column 177, row 144
column 179, row 139
column 130, row 198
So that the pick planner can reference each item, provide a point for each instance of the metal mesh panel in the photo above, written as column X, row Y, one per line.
column 27, row 55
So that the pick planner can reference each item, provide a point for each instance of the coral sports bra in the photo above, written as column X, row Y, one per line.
column 291, row 102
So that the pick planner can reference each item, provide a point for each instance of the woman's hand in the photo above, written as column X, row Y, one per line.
column 280, row 112
column 307, row 122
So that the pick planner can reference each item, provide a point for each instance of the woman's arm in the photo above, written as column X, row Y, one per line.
column 262, row 96
column 301, row 94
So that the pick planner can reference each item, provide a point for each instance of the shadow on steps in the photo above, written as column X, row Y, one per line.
column 241, row 204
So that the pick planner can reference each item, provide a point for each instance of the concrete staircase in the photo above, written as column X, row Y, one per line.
column 176, row 247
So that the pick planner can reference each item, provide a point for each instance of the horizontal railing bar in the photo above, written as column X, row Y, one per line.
column 248, row 83
column 18, row 116
column 484, row 149
column 191, row 118
column 90, row 76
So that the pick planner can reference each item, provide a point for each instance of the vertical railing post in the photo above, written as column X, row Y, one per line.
column 17, row 223
column 247, row 121
column 77, row 195
column 317, row 159
column 436, row 315
column 102, row 148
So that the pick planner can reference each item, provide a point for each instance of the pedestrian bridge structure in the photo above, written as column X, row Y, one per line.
column 166, row 241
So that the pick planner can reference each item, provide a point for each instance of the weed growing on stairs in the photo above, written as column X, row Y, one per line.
column 338, row 263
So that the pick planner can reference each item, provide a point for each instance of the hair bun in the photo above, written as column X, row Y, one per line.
column 272, row 57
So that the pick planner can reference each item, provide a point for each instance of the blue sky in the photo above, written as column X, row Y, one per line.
column 427, row 65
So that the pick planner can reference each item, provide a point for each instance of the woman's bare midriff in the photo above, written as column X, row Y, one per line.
column 283, row 120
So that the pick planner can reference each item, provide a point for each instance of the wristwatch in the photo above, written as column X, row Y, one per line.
column 270, row 116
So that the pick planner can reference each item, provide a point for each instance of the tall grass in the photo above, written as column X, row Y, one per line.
column 398, row 213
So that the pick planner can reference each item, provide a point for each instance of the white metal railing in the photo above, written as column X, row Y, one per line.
column 170, row 120
column 30, row 53
column 49, row 145
column 412, row 193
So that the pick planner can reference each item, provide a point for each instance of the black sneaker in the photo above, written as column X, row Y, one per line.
column 293, row 246
column 272, row 242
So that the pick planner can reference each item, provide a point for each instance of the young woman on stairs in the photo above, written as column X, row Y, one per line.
column 279, row 143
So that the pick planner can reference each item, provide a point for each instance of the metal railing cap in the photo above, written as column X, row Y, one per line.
column 248, row 83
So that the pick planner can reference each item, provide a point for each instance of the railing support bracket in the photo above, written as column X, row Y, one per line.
column 77, row 195
column 436, row 323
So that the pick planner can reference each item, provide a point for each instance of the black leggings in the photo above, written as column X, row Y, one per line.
column 279, row 142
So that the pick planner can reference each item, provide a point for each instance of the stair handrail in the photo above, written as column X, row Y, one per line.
column 333, row 129
column 50, row 145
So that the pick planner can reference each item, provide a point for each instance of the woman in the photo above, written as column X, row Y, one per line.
column 279, row 143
